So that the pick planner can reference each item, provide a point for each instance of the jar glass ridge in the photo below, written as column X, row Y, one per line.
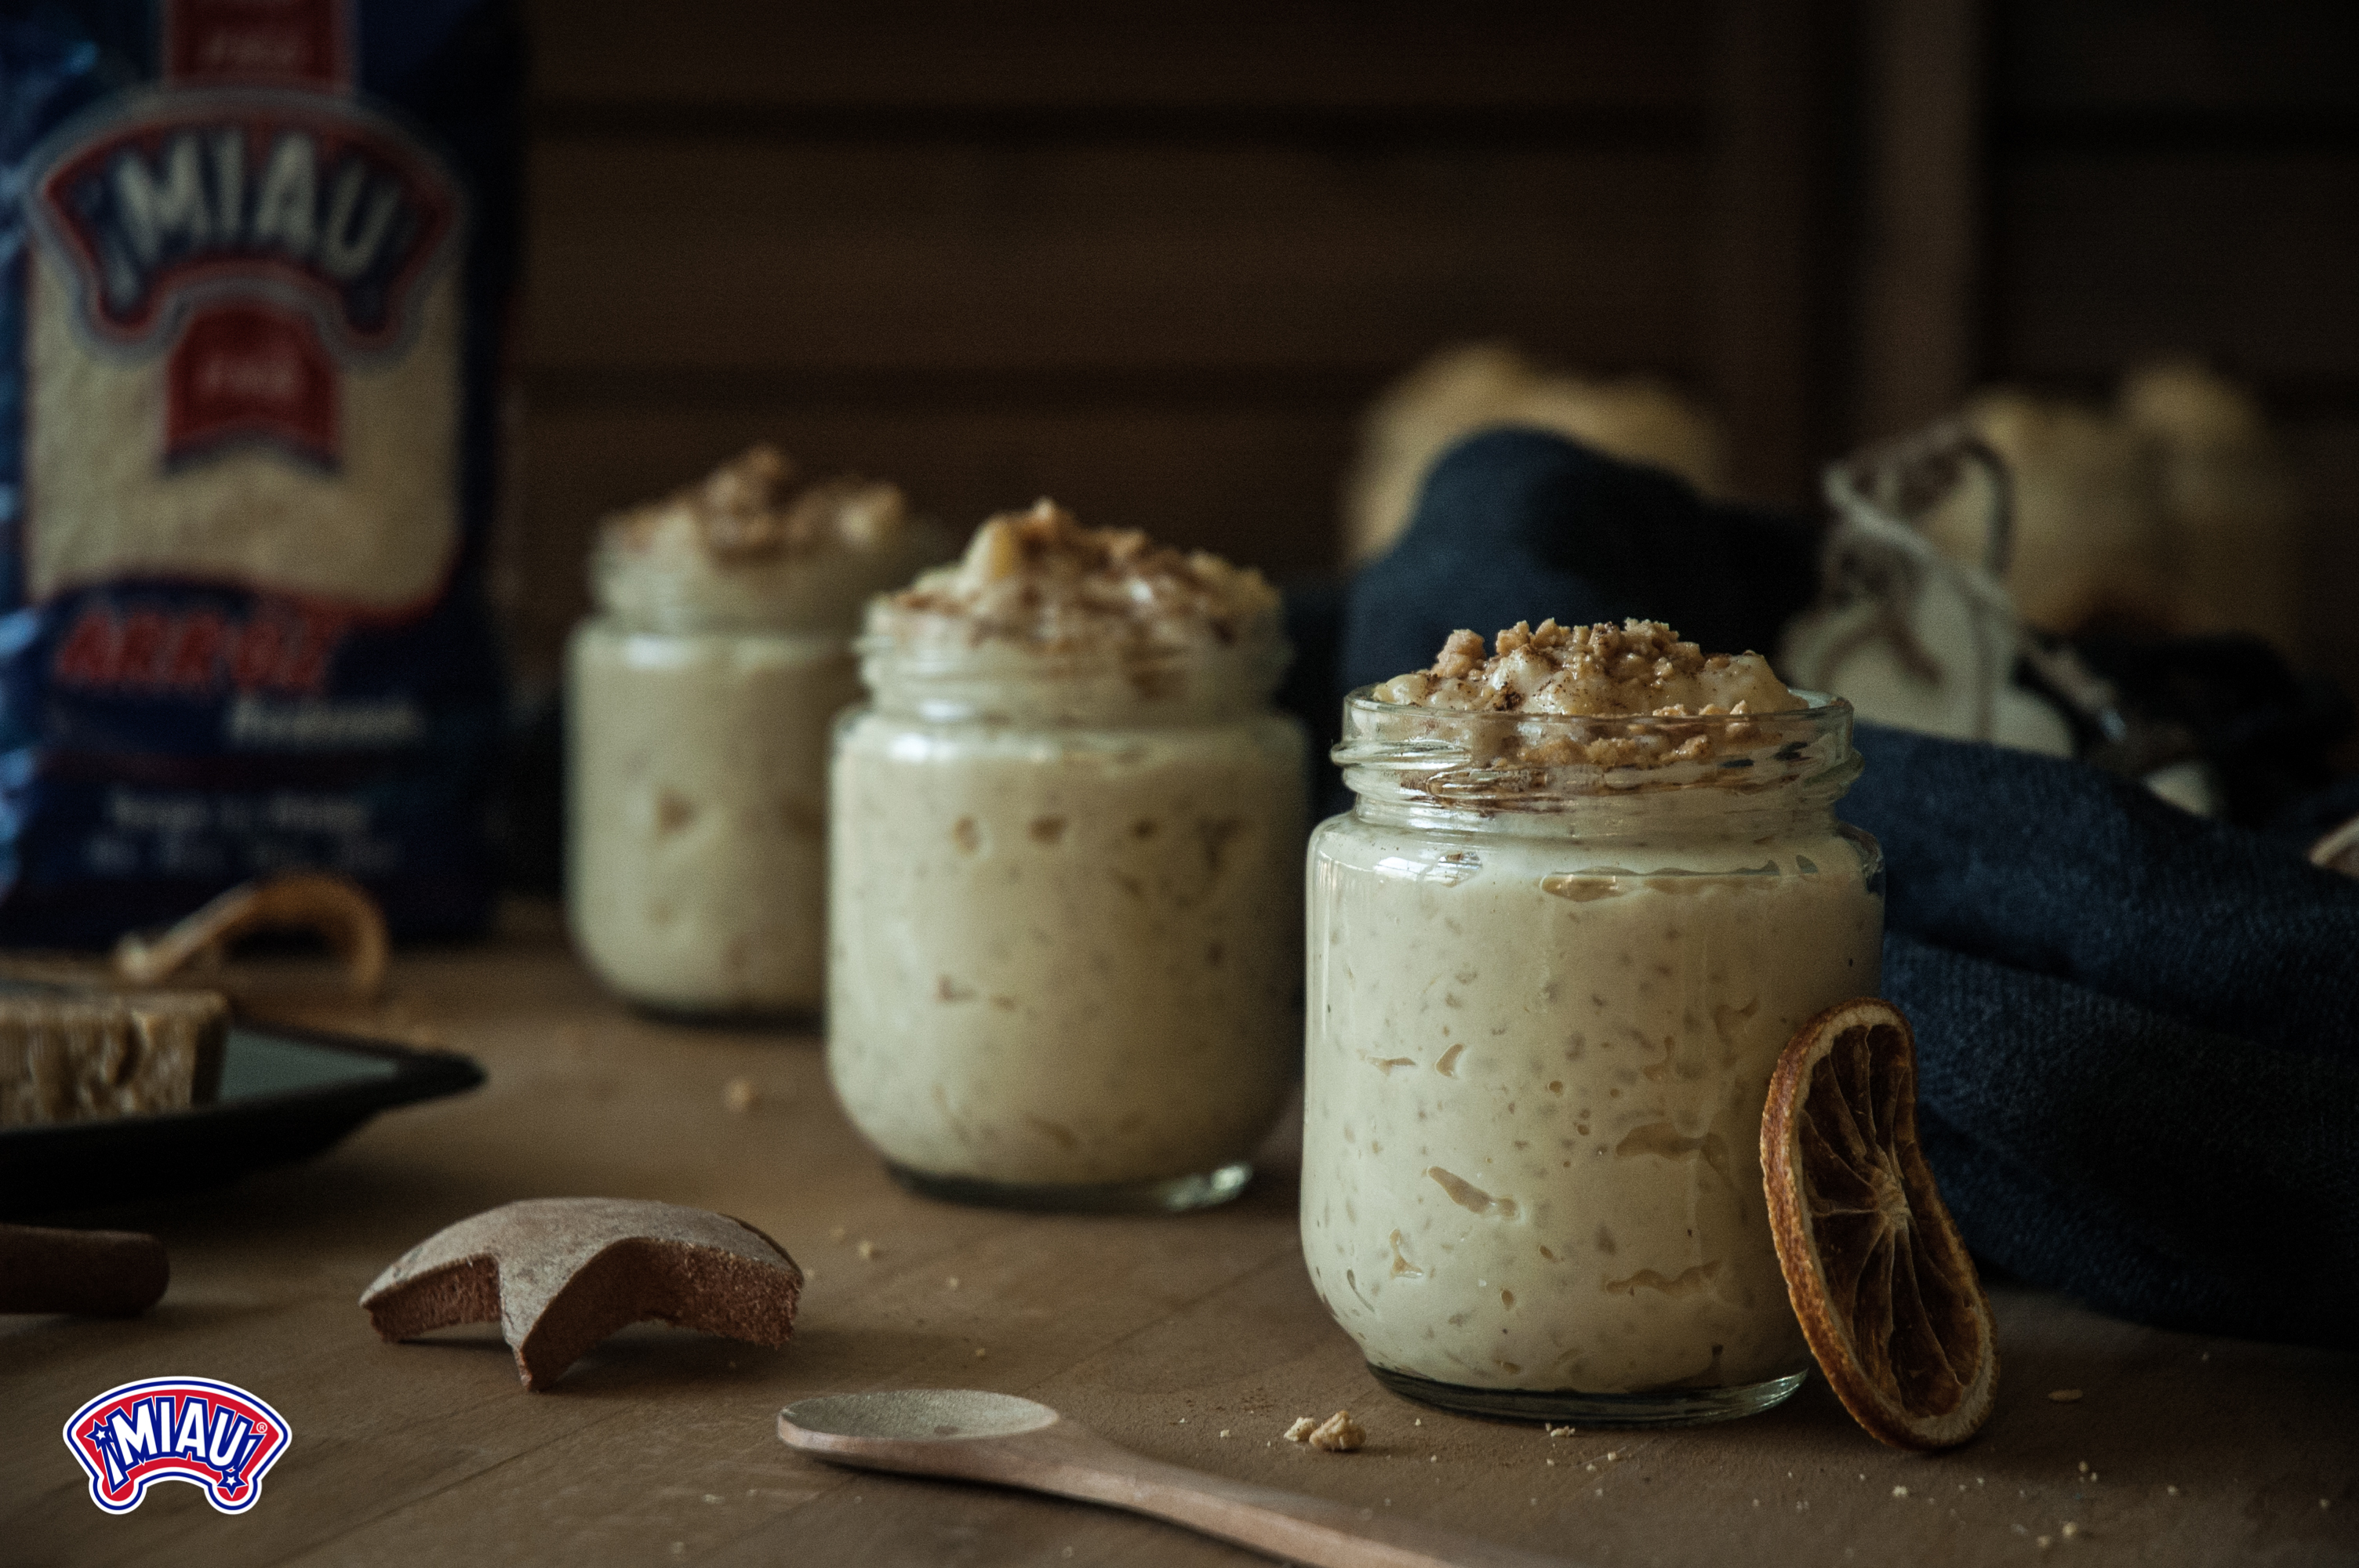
column 1552, row 962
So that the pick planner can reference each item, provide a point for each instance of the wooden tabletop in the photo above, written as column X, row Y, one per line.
column 1195, row 1340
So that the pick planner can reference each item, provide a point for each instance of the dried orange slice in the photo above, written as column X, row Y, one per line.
column 1887, row 1296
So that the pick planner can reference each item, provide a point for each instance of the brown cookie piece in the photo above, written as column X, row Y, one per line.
column 94, row 1273
column 83, row 1055
column 559, row 1274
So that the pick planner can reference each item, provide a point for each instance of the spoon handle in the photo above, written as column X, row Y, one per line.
column 1313, row 1530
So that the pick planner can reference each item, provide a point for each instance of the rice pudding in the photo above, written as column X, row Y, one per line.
column 1593, row 884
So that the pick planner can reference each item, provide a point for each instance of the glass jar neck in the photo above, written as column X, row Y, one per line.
column 1005, row 683
column 1722, row 775
column 821, row 594
column 1688, row 816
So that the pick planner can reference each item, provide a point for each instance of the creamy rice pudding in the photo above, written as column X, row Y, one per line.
column 1592, row 885
column 700, row 701
column 1066, row 940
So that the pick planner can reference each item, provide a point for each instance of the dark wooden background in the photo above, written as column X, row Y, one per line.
column 1153, row 258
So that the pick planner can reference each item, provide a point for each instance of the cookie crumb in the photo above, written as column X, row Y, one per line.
column 741, row 1094
column 1339, row 1433
column 1561, row 1432
column 2171, row 1490
column 1302, row 1428
column 1899, row 1492
column 2043, row 1542
column 951, row 1283
column 867, row 1248
column 980, row 1353
column 2070, row 1530
column 2064, row 1396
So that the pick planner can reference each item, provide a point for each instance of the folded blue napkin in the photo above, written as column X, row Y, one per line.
column 2138, row 1030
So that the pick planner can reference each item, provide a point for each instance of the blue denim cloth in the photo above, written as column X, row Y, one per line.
column 2138, row 1030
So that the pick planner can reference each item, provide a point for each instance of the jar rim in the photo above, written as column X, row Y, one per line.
column 1509, row 759
column 998, row 678
column 997, row 658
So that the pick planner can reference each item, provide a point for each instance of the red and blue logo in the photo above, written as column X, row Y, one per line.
column 216, row 1436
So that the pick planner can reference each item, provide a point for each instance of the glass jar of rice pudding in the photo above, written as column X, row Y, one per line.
column 1590, row 886
column 1065, row 923
column 698, row 704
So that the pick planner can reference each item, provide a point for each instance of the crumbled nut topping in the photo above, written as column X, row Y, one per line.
column 743, row 511
column 1040, row 580
column 1339, row 1433
column 1639, row 668
column 741, row 549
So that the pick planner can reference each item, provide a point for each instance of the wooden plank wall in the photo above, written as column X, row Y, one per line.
column 1153, row 259
column 1150, row 259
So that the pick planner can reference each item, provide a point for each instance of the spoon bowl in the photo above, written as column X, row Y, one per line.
column 916, row 1415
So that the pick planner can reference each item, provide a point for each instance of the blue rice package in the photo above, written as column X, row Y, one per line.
column 257, row 259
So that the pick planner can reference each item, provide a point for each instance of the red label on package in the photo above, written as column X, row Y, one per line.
column 270, row 43
column 250, row 370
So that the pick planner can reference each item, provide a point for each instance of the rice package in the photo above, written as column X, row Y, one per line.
column 255, row 259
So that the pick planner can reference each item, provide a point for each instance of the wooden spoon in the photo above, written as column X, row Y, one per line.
column 1010, row 1441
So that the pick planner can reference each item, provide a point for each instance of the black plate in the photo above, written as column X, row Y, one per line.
column 285, row 1095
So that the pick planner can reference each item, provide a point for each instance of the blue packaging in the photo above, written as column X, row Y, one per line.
column 257, row 259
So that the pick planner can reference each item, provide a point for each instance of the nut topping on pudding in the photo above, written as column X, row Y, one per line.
column 1639, row 668
column 1648, row 698
column 1040, row 580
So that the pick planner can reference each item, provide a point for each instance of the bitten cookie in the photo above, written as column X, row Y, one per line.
column 559, row 1274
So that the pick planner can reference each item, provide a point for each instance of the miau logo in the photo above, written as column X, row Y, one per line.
column 216, row 1436
column 190, row 195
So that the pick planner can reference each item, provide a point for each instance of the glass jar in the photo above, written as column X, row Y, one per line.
column 697, row 711
column 1544, row 1002
column 697, row 852
column 1065, row 926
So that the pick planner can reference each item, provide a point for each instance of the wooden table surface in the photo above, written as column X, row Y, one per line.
column 1196, row 1340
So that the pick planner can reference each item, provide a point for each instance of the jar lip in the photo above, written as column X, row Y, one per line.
column 1502, row 759
column 1818, row 706
column 993, row 658
column 820, row 642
